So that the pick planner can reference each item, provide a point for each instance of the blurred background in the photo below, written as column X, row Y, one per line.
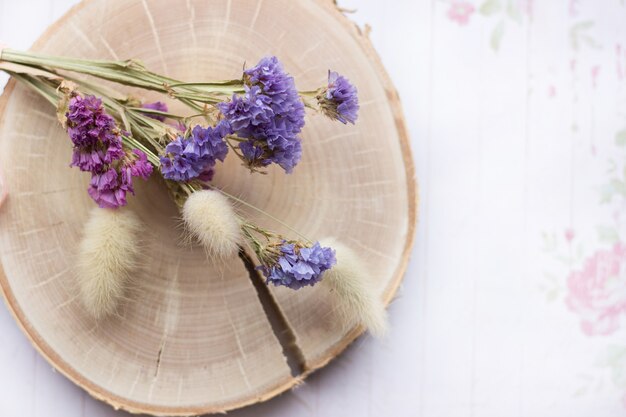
column 514, row 302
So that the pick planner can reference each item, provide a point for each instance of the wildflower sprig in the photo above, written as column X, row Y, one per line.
column 118, row 138
column 263, row 108
column 131, row 73
column 258, row 117
column 290, row 263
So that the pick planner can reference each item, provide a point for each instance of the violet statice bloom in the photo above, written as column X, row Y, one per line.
column 98, row 149
column 109, row 188
column 270, row 114
column 140, row 167
column 157, row 105
column 93, row 160
column 298, row 267
column 207, row 175
column 94, row 133
column 190, row 157
column 339, row 100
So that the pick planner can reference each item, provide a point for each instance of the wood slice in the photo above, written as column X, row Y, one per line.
column 194, row 337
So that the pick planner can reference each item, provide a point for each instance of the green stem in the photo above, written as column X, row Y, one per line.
column 38, row 86
column 245, row 203
column 133, row 143
column 47, row 88
column 158, row 113
column 131, row 73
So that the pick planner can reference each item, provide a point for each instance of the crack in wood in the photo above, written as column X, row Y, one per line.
column 158, row 361
column 283, row 332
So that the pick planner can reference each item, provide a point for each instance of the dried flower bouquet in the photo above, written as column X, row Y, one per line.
column 118, row 138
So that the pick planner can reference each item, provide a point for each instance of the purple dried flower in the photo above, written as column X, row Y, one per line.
column 94, row 134
column 207, row 175
column 246, row 112
column 339, row 100
column 140, row 167
column 86, row 120
column 179, row 126
column 297, row 266
column 95, row 158
column 157, row 105
column 250, row 151
column 88, row 124
column 270, row 115
column 98, row 149
column 188, row 157
column 88, row 161
column 176, row 165
column 109, row 189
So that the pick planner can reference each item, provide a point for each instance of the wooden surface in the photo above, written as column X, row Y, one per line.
column 194, row 338
column 511, row 145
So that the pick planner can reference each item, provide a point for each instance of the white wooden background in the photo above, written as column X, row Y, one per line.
column 515, row 299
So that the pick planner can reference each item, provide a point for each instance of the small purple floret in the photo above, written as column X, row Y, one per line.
column 140, row 167
column 270, row 114
column 109, row 189
column 157, row 105
column 88, row 124
column 299, row 267
column 190, row 157
column 340, row 100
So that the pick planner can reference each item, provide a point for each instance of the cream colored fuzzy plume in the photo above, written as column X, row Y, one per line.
column 357, row 299
column 107, row 255
column 210, row 218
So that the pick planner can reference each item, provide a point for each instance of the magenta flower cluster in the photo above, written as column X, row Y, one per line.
column 270, row 115
column 98, row 149
column 298, row 267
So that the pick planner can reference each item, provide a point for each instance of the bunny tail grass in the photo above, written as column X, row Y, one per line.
column 357, row 300
column 107, row 255
column 211, row 219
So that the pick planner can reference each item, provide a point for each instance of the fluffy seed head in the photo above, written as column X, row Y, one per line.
column 357, row 299
column 107, row 254
column 210, row 218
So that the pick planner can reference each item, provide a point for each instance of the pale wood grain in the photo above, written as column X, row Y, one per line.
column 195, row 339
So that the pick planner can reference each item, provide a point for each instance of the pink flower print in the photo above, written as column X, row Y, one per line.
column 595, row 72
column 460, row 12
column 573, row 10
column 569, row 234
column 551, row 91
column 530, row 8
column 597, row 293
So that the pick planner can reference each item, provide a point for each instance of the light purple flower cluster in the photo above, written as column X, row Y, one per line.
column 270, row 115
column 157, row 105
column 298, row 267
column 194, row 156
column 98, row 149
column 339, row 100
